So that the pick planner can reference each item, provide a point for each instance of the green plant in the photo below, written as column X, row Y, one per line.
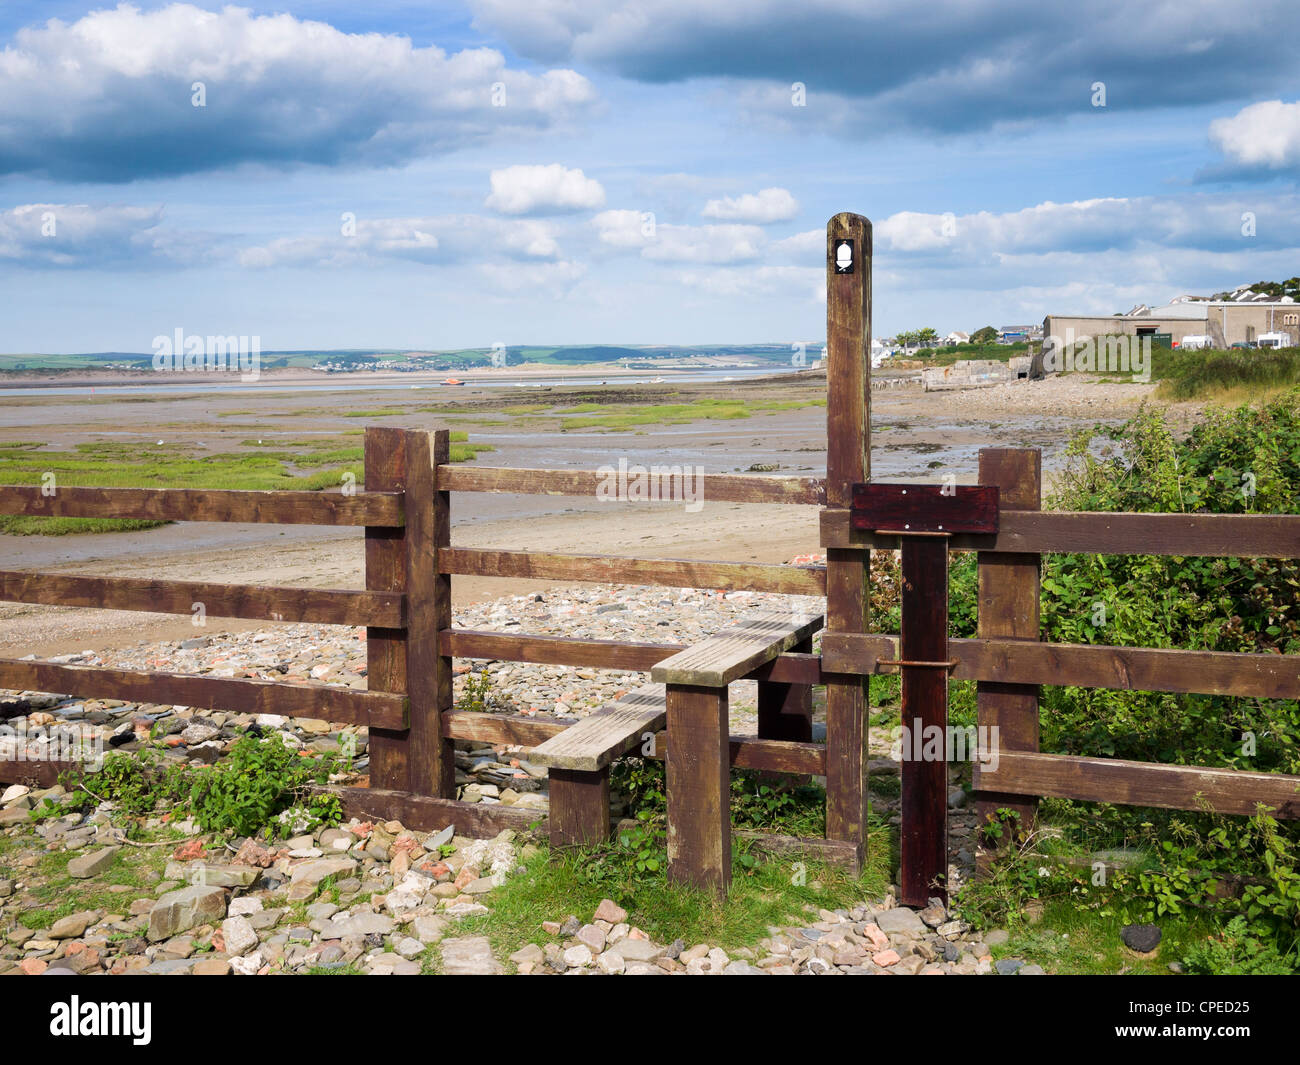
column 1235, row 952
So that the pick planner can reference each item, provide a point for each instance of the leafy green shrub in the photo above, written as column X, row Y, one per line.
column 255, row 782
column 1235, row 952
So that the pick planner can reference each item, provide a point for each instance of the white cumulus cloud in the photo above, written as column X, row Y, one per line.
column 543, row 190
column 1265, row 135
column 768, row 205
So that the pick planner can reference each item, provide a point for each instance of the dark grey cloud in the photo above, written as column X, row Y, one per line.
column 948, row 65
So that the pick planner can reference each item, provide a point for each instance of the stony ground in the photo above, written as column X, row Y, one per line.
column 379, row 898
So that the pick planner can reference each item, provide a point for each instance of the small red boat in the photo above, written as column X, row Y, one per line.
column 452, row 381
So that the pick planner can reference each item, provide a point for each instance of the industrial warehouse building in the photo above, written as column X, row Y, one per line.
column 1245, row 319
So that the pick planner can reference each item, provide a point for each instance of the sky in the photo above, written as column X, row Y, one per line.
column 322, row 174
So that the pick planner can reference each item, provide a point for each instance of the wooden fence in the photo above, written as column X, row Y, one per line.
column 410, row 562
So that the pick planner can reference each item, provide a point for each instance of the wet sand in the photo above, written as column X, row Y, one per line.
column 917, row 436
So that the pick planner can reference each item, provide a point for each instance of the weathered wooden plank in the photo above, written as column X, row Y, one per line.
column 425, row 813
column 736, row 650
column 38, row 774
column 962, row 508
column 923, row 835
column 321, row 606
column 608, row 654
column 1010, row 600
column 609, row 569
column 1173, row 787
column 785, row 710
column 236, row 694
column 512, row 730
column 697, row 775
column 745, row 752
column 771, row 756
column 1098, row 532
column 848, row 462
column 1009, row 661
column 430, row 761
column 609, row 733
column 386, row 564
column 716, row 487
column 190, row 504
column 557, row 650
column 579, row 811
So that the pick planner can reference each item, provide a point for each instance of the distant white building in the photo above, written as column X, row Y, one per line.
column 957, row 338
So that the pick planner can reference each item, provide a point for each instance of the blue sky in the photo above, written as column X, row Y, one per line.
column 424, row 175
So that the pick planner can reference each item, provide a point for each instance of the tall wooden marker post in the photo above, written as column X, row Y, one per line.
column 848, row 462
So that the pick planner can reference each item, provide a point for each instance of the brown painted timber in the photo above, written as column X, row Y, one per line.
column 848, row 462
column 579, row 807
column 238, row 695
column 41, row 774
column 425, row 813
column 430, row 758
column 923, row 840
column 608, row 654
column 188, row 504
column 611, row 732
column 745, row 752
column 608, row 569
column 1260, row 676
column 716, row 488
column 1173, row 787
column 737, row 650
column 698, row 785
column 963, row 508
column 321, row 606
column 386, row 571
column 1010, row 604
column 785, row 710
column 1103, row 533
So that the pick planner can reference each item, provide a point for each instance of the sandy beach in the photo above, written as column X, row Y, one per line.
column 917, row 435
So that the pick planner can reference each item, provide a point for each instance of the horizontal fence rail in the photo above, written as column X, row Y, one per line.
column 236, row 694
column 1007, row 661
column 712, row 487
column 788, row 668
column 1104, row 533
column 323, row 606
column 747, row 752
column 612, row 569
column 1113, row 780
column 376, row 509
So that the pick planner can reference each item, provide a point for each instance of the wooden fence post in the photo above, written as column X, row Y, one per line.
column 848, row 461
column 407, row 660
column 431, row 758
column 1009, row 605
column 698, row 779
column 785, row 710
column 386, row 653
